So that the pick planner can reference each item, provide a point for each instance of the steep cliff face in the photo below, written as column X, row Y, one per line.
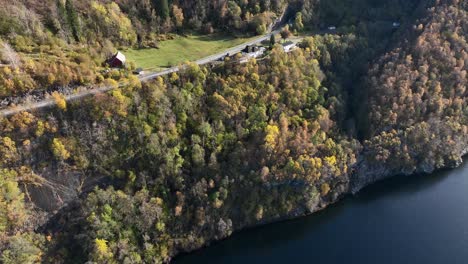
column 367, row 172
column 442, row 150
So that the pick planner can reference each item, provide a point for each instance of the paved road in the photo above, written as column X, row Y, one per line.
column 50, row 102
column 214, row 57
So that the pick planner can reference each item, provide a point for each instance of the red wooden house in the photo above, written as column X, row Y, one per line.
column 117, row 61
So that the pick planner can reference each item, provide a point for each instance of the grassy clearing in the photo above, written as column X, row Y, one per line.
column 181, row 49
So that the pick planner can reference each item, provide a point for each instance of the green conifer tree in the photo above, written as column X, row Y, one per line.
column 73, row 19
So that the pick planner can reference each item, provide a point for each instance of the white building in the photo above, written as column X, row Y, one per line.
column 255, row 53
column 289, row 46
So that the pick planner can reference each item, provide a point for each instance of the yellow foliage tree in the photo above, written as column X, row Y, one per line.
column 272, row 133
column 102, row 249
column 59, row 150
column 23, row 120
column 40, row 129
column 325, row 189
column 120, row 102
column 8, row 151
column 60, row 100
column 331, row 160
column 134, row 82
column 12, row 211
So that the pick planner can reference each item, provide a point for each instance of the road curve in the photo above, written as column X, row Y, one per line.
column 48, row 102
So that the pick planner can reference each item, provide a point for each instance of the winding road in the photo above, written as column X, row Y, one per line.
column 48, row 102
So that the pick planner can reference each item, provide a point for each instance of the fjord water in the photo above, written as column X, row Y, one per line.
column 416, row 219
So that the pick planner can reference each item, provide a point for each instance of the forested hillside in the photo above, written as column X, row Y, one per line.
column 54, row 44
column 194, row 156
column 128, row 22
column 417, row 101
column 147, row 171
column 61, row 44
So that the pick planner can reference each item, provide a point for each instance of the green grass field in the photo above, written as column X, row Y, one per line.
column 181, row 49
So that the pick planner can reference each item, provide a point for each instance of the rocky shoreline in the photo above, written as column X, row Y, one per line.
column 367, row 174
column 363, row 176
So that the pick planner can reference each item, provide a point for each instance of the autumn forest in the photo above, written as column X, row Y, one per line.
column 152, row 169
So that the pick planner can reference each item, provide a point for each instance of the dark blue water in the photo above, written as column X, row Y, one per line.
column 418, row 219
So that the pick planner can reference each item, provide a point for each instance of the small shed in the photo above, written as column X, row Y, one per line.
column 139, row 71
column 118, row 60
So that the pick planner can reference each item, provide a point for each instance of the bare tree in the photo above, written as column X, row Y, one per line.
column 10, row 55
